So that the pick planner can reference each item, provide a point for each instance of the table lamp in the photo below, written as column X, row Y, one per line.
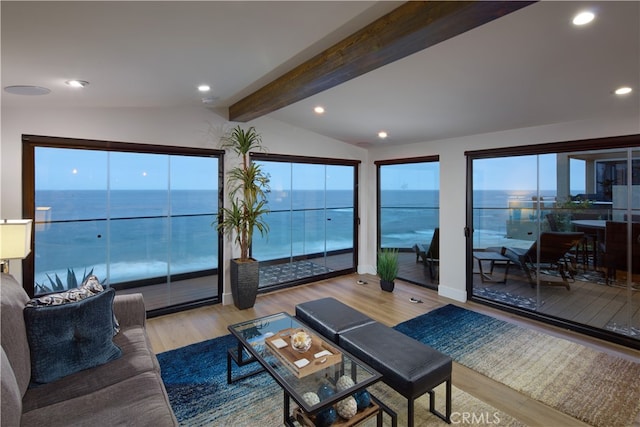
column 15, row 240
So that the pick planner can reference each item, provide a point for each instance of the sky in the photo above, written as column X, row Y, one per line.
column 520, row 173
column 72, row 169
column 410, row 176
column 297, row 176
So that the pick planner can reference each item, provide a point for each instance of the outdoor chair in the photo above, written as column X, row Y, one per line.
column 555, row 256
column 430, row 255
column 552, row 220
column 585, row 251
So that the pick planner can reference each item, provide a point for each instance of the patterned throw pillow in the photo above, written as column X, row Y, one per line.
column 90, row 287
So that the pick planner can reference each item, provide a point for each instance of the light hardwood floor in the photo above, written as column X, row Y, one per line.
column 180, row 329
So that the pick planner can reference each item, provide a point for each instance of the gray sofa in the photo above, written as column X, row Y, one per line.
column 126, row 391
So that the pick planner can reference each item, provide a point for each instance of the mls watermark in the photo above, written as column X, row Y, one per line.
column 475, row 418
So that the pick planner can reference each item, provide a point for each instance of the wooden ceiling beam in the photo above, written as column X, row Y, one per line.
column 410, row 28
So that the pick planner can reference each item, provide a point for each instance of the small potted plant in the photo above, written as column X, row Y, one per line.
column 387, row 268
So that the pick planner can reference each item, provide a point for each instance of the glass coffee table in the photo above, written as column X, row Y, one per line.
column 316, row 379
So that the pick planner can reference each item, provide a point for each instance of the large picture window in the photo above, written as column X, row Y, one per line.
column 141, row 218
column 312, row 223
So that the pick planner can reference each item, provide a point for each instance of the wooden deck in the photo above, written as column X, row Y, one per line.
column 591, row 302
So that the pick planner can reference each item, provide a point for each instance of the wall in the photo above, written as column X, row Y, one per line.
column 184, row 126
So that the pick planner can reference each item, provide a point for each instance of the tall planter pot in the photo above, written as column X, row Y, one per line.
column 245, row 277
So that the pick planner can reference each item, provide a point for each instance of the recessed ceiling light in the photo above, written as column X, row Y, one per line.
column 382, row 134
column 319, row 109
column 27, row 90
column 623, row 90
column 583, row 18
column 204, row 88
column 77, row 83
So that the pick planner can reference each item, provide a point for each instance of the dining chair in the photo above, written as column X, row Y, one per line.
column 616, row 249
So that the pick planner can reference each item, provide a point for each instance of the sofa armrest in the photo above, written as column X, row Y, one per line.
column 129, row 310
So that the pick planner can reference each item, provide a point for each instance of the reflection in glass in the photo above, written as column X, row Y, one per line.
column 521, row 201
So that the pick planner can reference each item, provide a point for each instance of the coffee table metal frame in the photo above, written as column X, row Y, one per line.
column 247, row 353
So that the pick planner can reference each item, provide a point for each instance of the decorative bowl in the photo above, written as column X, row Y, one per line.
column 301, row 341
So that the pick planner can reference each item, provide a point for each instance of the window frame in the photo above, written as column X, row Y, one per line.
column 326, row 161
column 390, row 162
column 596, row 144
column 378, row 164
column 31, row 142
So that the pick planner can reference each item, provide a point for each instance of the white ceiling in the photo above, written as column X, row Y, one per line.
column 529, row 68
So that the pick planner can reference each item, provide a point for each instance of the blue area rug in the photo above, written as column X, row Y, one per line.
column 195, row 377
column 471, row 330
column 597, row 388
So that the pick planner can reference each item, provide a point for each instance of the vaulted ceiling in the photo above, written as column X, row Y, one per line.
column 530, row 67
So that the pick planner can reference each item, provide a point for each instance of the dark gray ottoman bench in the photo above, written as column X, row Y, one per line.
column 408, row 366
column 330, row 317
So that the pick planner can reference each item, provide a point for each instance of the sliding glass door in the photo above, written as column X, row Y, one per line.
column 140, row 221
column 408, row 216
column 558, row 234
column 311, row 223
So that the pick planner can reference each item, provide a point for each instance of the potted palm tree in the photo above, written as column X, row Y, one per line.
column 247, row 187
column 387, row 268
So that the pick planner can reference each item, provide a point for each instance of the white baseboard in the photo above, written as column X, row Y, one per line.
column 227, row 298
column 453, row 293
column 366, row 269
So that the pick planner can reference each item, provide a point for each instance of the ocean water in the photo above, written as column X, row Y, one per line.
column 131, row 235
column 124, row 235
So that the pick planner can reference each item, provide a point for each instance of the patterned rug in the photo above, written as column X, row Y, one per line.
column 290, row 271
column 196, row 381
column 597, row 388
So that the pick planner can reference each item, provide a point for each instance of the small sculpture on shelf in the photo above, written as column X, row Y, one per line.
column 329, row 415
column 311, row 398
column 347, row 408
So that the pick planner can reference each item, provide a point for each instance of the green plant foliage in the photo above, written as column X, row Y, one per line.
column 387, row 266
column 564, row 211
column 56, row 284
column 247, row 185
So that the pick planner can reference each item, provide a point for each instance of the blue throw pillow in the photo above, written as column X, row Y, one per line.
column 64, row 339
column 90, row 286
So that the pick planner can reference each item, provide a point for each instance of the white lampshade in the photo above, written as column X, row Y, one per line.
column 15, row 238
